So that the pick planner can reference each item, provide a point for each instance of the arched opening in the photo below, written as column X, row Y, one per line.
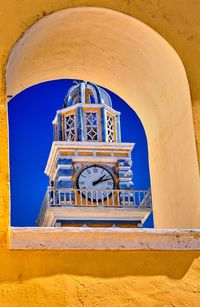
column 123, row 54
column 31, row 135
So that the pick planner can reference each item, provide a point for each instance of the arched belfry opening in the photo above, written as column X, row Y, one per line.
column 95, row 158
column 119, row 52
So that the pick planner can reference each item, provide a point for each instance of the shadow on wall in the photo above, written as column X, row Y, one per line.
column 25, row 265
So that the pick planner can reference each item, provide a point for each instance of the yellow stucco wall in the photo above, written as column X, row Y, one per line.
column 52, row 278
column 145, row 279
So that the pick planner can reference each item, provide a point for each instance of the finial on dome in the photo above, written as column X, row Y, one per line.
column 75, row 82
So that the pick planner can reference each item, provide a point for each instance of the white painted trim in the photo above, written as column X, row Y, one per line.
column 64, row 178
column 88, row 106
column 58, row 238
column 54, row 213
column 62, row 166
column 93, row 145
column 86, row 146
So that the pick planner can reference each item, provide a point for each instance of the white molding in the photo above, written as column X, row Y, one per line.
column 86, row 146
column 62, row 166
column 65, row 178
column 88, row 106
column 93, row 145
column 53, row 214
column 58, row 238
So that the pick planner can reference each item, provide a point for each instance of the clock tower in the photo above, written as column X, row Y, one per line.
column 89, row 167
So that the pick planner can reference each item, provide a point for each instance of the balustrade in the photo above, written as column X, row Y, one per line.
column 99, row 198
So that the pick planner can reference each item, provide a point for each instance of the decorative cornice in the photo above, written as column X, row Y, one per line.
column 87, row 106
column 59, row 145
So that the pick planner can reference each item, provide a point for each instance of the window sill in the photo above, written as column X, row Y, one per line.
column 48, row 238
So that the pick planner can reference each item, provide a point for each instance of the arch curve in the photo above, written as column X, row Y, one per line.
column 123, row 54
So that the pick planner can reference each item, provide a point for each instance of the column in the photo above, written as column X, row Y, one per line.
column 60, row 136
column 103, row 124
column 80, row 123
column 118, row 128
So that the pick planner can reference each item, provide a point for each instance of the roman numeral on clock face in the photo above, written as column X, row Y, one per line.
column 96, row 180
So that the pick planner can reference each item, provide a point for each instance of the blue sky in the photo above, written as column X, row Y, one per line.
column 30, row 135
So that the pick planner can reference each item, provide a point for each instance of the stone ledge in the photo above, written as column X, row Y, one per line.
column 48, row 238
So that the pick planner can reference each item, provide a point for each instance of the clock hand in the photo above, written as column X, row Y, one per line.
column 97, row 181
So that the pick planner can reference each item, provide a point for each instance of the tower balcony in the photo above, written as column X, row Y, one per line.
column 69, row 207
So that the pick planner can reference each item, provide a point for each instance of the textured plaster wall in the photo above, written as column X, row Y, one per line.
column 118, row 51
column 32, row 278
column 99, row 279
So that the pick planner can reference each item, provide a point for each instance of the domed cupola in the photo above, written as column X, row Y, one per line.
column 87, row 93
column 87, row 115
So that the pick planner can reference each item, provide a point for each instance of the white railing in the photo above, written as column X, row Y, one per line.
column 99, row 198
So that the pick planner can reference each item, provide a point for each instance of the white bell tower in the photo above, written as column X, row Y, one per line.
column 89, row 167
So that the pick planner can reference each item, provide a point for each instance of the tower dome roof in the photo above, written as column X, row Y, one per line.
column 86, row 92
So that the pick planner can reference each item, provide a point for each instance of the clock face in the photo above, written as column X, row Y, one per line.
column 97, row 178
